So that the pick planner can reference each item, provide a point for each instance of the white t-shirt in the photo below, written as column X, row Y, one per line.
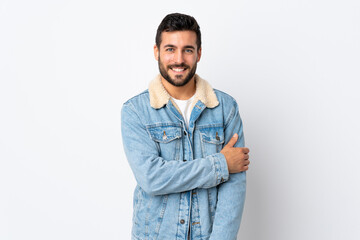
column 184, row 106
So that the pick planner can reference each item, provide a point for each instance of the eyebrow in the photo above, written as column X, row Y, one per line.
column 169, row 45
column 189, row 46
column 173, row 46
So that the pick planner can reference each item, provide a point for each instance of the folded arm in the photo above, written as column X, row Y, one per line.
column 156, row 175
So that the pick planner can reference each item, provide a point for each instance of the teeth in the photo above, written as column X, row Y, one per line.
column 178, row 69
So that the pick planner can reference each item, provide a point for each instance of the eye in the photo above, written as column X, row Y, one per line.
column 169, row 49
column 189, row 51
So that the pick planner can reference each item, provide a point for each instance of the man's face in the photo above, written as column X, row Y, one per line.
column 177, row 56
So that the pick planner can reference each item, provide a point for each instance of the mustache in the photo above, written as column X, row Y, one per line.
column 179, row 66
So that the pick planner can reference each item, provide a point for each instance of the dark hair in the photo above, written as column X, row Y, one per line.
column 178, row 22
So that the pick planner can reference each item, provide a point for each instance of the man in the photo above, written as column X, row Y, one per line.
column 190, row 185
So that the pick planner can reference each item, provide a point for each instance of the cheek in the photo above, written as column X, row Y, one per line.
column 191, row 60
column 166, row 58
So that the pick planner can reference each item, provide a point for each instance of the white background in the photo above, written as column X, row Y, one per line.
column 66, row 67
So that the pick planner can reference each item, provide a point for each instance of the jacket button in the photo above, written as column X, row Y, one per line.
column 182, row 221
column 185, row 133
column 222, row 180
column 184, row 160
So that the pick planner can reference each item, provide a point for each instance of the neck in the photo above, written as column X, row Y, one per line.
column 182, row 93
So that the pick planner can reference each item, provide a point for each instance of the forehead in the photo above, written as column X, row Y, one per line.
column 178, row 38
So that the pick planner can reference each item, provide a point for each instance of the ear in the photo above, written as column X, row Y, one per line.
column 198, row 55
column 156, row 52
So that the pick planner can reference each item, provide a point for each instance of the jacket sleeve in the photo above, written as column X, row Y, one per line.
column 158, row 176
column 231, row 194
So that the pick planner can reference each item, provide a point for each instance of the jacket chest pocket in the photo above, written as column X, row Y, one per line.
column 212, row 140
column 168, row 140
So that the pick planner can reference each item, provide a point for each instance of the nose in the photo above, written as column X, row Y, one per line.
column 178, row 57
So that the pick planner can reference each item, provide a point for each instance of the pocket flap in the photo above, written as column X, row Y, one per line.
column 164, row 134
column 214, row 135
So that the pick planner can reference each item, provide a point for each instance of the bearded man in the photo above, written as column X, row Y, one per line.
column 184, row 142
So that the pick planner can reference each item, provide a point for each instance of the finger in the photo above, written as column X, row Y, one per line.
column 232, row 141
column 245, row 168
column 246, row 162
column 246, row 156
column 245, row 150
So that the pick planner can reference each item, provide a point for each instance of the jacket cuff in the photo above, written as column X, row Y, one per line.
column 221, row 168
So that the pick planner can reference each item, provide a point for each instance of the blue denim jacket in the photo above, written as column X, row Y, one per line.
column 183, row 184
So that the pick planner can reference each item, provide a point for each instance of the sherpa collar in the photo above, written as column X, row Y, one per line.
column 204, row 92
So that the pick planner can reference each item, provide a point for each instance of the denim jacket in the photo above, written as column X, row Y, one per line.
column 183, row 184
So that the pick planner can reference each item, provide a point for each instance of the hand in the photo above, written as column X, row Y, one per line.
column 237, row 158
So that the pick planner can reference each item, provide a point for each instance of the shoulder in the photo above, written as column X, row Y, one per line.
column 136, row 104
column 224, row 98
column 139, row 101
column 138, row 98
column 228, row 105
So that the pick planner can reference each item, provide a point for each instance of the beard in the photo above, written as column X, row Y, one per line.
column 179, row 80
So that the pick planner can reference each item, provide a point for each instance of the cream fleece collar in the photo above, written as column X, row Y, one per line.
column 204, row 92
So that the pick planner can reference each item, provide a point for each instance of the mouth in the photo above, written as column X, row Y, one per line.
column 178, row 69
